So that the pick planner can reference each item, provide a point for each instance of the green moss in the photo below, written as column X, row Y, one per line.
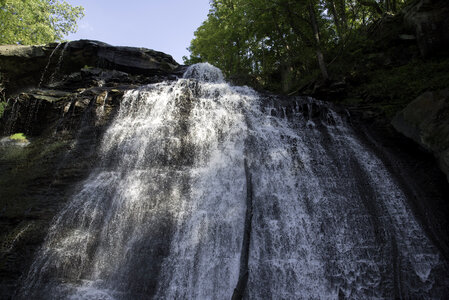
column 18, row 137
column 403, row 84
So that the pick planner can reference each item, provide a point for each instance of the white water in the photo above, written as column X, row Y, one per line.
column 162, row 215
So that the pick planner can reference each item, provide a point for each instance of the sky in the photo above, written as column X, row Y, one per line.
column 162, row 25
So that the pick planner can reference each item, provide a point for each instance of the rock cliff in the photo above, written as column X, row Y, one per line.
column 60, row 97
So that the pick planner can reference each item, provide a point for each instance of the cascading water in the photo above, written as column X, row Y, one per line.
column 205, row 191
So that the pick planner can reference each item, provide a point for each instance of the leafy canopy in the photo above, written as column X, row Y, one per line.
column 278, row 43
column 37, row 21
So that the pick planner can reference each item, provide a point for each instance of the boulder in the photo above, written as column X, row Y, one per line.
column 426, row 121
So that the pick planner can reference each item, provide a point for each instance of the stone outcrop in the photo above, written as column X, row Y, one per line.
column 32, row 66
column 44, row 85
column 425, row 120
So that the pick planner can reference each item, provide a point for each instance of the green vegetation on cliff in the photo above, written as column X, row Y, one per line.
column 389, row 89
column 37, row 21
column 279, row 43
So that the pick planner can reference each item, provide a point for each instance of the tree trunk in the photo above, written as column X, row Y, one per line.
column 336, row 18
column 344, row 20
column 394, row 6
column 316, row 34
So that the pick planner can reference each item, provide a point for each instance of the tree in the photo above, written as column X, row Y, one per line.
column 37, row 21
column 285, row 44
column 316, row 34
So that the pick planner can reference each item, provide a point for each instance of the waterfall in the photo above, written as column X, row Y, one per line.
column 205, row 190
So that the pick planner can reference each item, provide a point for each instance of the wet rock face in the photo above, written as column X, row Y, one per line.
column 425, row 120
column 63, row 130
column 62, row 97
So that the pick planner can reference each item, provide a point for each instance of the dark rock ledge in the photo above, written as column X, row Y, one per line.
column 27, row 66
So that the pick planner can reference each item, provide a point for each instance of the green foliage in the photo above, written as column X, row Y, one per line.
column 37, row 21
column 279, row 43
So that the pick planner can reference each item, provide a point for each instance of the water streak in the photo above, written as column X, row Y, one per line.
column 58, row 65
column 102, row 98
column 48, row 64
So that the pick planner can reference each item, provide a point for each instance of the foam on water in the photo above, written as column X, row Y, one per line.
column 204, row 72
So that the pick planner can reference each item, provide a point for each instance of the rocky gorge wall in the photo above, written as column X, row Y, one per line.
column 62, row 97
